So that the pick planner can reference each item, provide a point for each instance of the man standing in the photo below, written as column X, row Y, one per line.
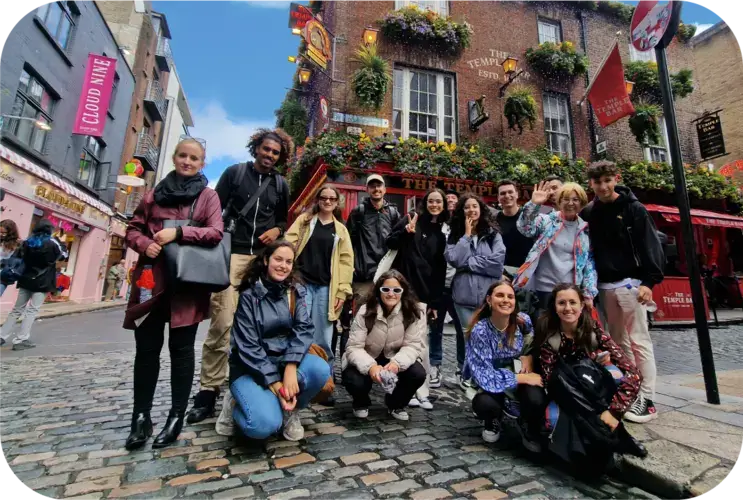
column 114, row 279
column 629, row 262
column 255, row 203
column 554, row 183
column 517, row 245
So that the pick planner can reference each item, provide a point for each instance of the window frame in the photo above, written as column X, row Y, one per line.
column 650, row 148
column 24, row 98
column 564, row 103
column 441, row 116
column 42, row 14
column 441, row 7
column 636, row 55
column 92, row 155
column 549, row 22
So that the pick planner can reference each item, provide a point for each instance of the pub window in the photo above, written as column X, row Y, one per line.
column 557, row 124
column 90, row 161
column 441, row 7
column 59, row 20
column 636, row 55
column 114, row 91
column 549, row 31
column 35, row 102
column 423, row 105
column 659, row 152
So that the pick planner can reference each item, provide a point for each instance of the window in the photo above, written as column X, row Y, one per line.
column 636, row 55
column 35, row 102
column 423, row 105
column 58, row 20
column 549, row 31
column 90, row 161
column 439, row 6
column 557, row 124
column 114, row 90
column 659, row 152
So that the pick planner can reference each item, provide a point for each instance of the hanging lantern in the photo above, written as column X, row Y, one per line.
column 139, row 170
column 130, row 168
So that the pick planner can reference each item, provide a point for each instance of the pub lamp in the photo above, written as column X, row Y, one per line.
column 370, row 35
column 629, row 86
column 509, row 67
column 292, row 59
column 304, row 75
column 296, row 31
column 37, row 123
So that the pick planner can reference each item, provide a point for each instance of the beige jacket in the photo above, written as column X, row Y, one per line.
column 388, row 337
column 341, row 260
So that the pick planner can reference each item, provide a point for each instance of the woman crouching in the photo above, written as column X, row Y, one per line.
column 272, row 375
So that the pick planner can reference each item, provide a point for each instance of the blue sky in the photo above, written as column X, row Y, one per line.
column 231, row 59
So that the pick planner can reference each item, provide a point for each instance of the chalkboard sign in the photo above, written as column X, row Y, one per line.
column 709, row 132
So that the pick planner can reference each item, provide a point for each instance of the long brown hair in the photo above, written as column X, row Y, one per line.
column 258, row 267
column 409, row 302
column 485, row 223
column 485, row 312
column 316, row 206
column 548, row 323
column 11, row 239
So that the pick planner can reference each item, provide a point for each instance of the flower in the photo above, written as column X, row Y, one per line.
column 433, row 149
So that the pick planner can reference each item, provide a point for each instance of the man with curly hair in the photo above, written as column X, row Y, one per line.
column 255, row 203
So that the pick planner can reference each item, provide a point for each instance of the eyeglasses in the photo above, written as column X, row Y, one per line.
column 200, row 141
column 325, row 198
column 386, row 289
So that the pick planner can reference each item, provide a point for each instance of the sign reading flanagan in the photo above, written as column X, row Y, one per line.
column 95, row 96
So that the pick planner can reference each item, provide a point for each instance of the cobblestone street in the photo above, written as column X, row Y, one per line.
column 677, row 351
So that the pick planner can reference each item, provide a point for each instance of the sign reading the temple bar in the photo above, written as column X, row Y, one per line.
column 95, row 96
column 709, row 132
column 318, row 43
column 298, row 16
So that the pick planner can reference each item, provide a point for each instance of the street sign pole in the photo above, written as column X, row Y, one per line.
column 682, row 198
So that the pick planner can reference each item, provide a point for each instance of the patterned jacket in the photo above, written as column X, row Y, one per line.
column 545, row 228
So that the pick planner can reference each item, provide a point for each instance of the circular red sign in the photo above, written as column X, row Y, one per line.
column 649, row 23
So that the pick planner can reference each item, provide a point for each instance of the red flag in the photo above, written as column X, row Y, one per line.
column 608, row 92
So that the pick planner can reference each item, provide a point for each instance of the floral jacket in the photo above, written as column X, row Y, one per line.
column 489, row 358
column 545, row 228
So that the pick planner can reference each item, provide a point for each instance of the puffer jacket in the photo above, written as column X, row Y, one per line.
column 40, row 274
column 369, row 228
column 478, row 266
column 388, row 337
column 545, row 227
column 266, row 336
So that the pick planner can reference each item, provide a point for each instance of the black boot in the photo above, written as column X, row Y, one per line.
column 203, row 406
column 170, row 431
column 141, row 431
column 628, row 444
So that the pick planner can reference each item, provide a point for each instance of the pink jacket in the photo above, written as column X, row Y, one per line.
column 187, row 306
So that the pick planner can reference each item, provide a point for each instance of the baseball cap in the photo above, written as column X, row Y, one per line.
column 374, row 177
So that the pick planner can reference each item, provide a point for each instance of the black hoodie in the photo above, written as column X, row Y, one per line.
column 624, row 239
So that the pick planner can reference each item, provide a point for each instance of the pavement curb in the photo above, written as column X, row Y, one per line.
column 691, row 324
column 57, row 314
column 647, row 480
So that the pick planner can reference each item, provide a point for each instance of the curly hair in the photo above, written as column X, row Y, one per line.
column 549, row 322
column 258, row 268
column 12, row 238
column 485, row 223
column 278, row 135
column 409, row 308
column 485, row 311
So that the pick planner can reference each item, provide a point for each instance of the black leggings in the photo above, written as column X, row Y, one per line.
column 150, row 336
column 359, row 386
column 532, row 402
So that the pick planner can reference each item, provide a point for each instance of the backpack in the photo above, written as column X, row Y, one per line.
column 394, row 214
column 282, row 188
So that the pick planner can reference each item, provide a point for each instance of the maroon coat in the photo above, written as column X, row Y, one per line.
column 188, row 306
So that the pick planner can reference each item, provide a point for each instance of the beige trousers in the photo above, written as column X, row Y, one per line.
column 222, row 311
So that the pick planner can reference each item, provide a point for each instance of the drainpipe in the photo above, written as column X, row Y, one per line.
column 584, row 46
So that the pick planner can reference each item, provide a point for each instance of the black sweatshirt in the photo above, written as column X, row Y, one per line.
column 624, row 239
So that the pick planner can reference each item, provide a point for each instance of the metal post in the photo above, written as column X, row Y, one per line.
column 682, row 198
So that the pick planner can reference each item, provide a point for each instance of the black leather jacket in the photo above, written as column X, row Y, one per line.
column 369, row 229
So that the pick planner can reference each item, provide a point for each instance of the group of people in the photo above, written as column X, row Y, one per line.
column 522, row 285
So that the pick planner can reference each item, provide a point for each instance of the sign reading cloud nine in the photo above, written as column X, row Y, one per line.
column 95, row 96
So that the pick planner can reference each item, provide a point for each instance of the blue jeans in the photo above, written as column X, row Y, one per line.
column 465, row 316
column 2, row 289
column 436, row 333
column 317, row 306
column 257, row 410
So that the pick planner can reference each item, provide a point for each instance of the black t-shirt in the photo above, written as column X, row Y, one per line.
column 517, row 245
column 314, row 261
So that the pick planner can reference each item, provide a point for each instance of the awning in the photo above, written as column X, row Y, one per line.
column 700, row 217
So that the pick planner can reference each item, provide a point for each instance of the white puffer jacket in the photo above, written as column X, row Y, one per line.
column 388, row 337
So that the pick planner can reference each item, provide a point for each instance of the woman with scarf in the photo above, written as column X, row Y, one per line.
column 155, row 301
column 39, row 253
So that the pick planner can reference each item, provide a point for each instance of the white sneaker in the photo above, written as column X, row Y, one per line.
column 414, row 403
column 225, row 423
column 490, row 436
column 361, row 412
column 425, row 403
column 293, row 430
column 434, row 379
column 400, row 415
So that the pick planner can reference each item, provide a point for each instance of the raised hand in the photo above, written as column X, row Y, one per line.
column 410, row 227
column 540, row 195
column 470, row 226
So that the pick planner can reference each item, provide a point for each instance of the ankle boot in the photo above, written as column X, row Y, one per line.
column 203, row 406
column 141, row 431
column 171, row 430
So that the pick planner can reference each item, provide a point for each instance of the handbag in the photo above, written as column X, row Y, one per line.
column 385, row 264
column 13, row 267
column 207, row 267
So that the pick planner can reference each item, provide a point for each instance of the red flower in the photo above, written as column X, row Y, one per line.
column 146, row 280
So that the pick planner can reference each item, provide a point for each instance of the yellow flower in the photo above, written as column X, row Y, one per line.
column 555, row 160
column 433, row 149
column 472, row 149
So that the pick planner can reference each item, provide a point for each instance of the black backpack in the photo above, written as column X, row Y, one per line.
column 282, row 188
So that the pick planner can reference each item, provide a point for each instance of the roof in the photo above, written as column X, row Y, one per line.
column 709, row 33
column 163, row 24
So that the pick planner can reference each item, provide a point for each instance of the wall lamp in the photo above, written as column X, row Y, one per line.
column 509, row 65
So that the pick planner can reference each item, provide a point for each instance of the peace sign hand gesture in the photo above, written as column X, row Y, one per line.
column 410, row 227
column 540, row 195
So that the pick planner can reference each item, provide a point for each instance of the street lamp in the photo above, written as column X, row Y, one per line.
column 37, row 123
column 304, row 75
column 370, row 35
column 509, row 65
column 292, row 59
column 296, row 31
column 629, row 86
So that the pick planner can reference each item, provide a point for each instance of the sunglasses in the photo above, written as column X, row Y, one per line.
column 325, row 198
column 387, row 289
column 200, row 141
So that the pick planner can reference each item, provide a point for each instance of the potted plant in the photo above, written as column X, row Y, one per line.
column 371, row 81
column 520, row 108
column 557, row 60
column 644, row 123
column 425, row 28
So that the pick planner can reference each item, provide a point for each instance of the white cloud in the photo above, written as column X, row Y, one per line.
column 226, row 138
column 702, row 28
column 279, row 4
column 212, row 184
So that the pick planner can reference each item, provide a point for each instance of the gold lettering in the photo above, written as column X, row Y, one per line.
column 449, row 185
column 407, row 182
column 420, row 184
column 431, row 185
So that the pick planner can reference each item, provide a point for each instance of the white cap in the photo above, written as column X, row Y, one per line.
column 374, row 177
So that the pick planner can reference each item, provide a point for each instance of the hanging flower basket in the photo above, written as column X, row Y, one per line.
column 555, row 60
column 426, row 29
column 372, row 79
column 520, row 108
column 644, row 123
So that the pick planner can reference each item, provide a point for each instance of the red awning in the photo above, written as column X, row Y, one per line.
column 700, row 217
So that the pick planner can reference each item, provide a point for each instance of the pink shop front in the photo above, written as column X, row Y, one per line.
column 31, row 193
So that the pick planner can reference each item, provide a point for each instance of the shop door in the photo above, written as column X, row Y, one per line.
column 116, row 253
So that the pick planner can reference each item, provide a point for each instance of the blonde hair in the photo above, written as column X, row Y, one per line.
column 569, row 187
column 191, row 140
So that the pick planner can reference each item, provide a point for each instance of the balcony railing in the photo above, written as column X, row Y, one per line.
column 147, row 152
column 163, row 55
column 155, row 102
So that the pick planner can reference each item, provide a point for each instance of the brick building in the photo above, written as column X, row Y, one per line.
column 501, row 29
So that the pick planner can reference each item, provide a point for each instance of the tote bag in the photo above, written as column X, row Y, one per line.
column 385, row 264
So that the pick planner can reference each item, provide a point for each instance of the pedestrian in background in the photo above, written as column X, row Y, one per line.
column 272, row 376
column 475, row 249
column 39, row 252
column 152, row 305
column 385, row 347
column 255, row 202
column 9, row 243
column 114, row 280
column 129, row 274
column 325, row 261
